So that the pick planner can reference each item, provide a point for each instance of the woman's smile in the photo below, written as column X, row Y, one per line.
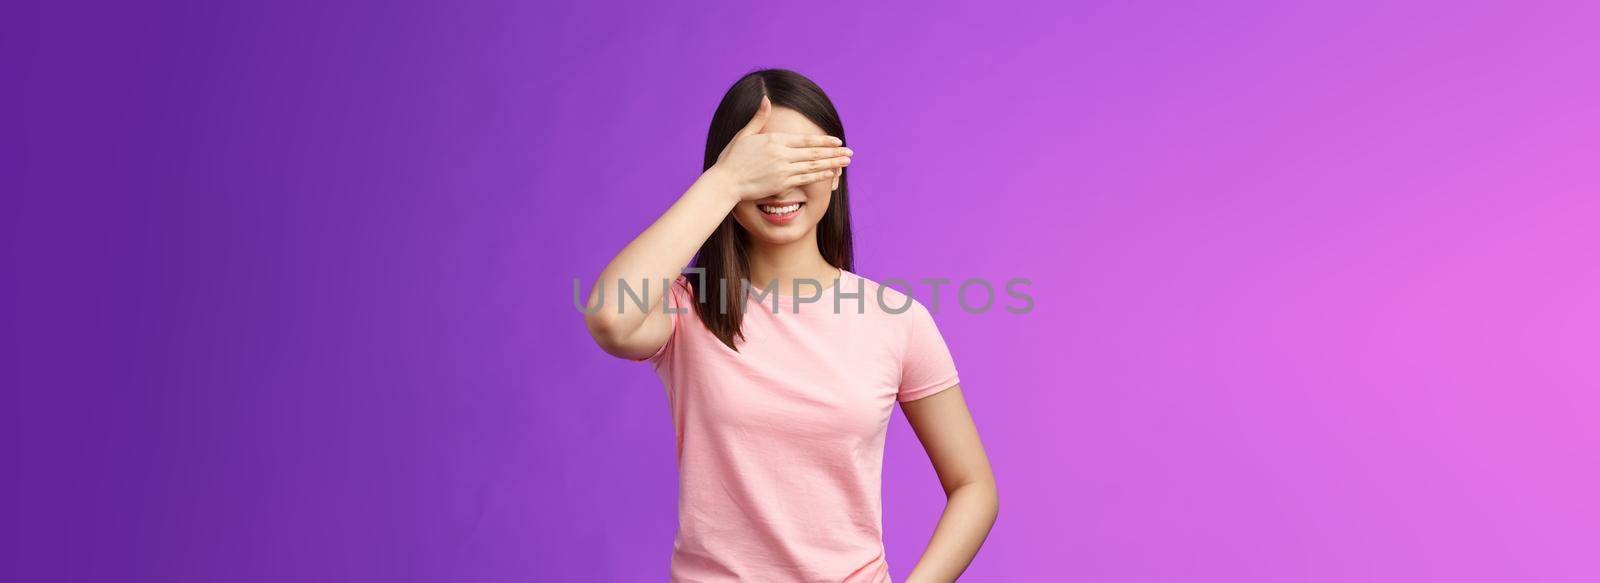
column 780, row 213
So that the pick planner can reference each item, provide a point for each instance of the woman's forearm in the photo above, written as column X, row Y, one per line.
column 658, row 255
column 969, row 512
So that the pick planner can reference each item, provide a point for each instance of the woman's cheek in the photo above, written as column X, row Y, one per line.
column 745, row 215
column 817, row 193
column 819, row 198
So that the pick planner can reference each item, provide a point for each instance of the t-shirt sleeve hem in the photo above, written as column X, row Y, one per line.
column 656, row 356
column 674, row 300
column 928, row 390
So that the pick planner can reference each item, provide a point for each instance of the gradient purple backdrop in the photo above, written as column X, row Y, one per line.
column 289, row 285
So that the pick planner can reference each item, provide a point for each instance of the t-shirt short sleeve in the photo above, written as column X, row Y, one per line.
column 678, row 304
column 926, row 366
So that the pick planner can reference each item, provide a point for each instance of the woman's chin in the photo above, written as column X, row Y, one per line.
column 784, row 235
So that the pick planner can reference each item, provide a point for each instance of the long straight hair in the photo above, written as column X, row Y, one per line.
column 725, row 255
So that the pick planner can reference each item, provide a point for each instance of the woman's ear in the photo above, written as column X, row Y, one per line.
column 837, row 173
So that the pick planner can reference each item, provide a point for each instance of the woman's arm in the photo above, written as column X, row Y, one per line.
column 944, row 425
column 655, row 257
column 752, row 166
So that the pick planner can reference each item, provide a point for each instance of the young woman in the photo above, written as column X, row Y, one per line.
column 780, row 401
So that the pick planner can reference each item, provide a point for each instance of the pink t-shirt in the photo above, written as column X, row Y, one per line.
column 780, row 445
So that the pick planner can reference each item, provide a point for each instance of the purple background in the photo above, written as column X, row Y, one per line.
column 288, row 285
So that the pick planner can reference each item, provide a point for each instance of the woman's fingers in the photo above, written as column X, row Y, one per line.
column 810, row 166
column 803, row 154
column 807, row 140
column 757, row 121
column 804, row 179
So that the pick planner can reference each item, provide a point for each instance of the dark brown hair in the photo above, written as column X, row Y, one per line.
column 724, row 256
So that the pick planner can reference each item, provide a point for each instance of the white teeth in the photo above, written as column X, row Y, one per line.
column 779, row 210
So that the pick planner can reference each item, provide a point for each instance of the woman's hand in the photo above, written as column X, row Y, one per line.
column 757, row 165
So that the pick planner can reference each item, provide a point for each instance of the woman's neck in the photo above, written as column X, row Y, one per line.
column 788, row 262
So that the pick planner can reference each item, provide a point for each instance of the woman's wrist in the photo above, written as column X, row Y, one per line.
column 716, row 183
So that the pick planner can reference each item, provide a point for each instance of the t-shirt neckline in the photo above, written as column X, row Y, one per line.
column 785, row 301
